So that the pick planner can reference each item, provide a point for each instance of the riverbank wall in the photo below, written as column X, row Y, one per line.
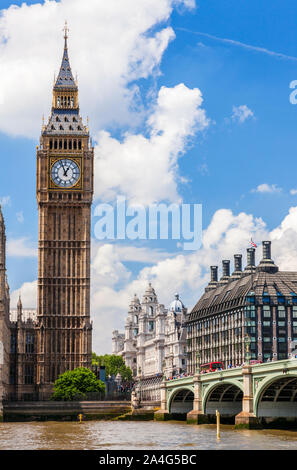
column 63, row 410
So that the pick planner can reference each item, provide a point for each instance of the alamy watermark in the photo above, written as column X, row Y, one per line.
column 121, row 221
column 293, row 95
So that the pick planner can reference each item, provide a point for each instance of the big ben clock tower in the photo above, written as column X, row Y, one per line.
column 64, row 195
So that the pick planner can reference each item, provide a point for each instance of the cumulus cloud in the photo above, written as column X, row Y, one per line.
column 112, row 45
column 241, row 113
column 28, row 293
column 293, row 192
column 21, row 248
column 148, row 164
column 267, row 188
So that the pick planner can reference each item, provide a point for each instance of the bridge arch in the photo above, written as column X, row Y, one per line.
column 276, row 397
column 225, row 396
column 181, row 400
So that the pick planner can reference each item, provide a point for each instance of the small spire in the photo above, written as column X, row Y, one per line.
column 66, row 31
column 65, row 78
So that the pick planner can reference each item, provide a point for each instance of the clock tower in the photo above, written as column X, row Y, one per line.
column 64, row 194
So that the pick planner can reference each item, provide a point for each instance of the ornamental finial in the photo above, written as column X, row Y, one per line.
column 66, row 31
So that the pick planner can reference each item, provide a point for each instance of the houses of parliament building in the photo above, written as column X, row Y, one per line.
column 36, row 347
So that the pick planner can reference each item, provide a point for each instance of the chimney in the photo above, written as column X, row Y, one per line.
column 226, row 268
column 214, row 273
column 250, row 267
column 213, row 278
column 237, row 267
column 266, row 263
column 226, row 271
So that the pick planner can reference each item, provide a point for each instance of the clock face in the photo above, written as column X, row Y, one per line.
column 65, row 173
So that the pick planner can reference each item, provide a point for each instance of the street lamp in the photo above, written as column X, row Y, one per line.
column 197, row 362
column 247, row 347
column 163, row 368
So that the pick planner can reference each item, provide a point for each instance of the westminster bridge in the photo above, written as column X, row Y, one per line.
column 251, row 394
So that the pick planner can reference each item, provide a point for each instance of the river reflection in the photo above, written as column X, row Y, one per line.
column 116, row 435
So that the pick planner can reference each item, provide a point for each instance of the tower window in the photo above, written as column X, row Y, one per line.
column 61, row 128
column 57, row 119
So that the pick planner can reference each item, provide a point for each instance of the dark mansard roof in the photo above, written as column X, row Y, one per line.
column 232, row 294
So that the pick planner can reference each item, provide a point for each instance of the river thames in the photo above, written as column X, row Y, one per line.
column 150, row 435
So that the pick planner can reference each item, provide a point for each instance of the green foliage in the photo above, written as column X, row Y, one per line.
column 74, row 384
column 113, row 365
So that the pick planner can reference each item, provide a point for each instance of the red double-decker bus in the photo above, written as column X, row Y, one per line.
column 211, row 366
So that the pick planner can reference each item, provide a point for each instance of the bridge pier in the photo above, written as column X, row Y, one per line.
column 196, row 416
column 162, row 414
column 247, row 418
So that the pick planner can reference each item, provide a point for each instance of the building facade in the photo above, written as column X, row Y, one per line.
column 249, row 314
column 4, row 315
column 155, row 337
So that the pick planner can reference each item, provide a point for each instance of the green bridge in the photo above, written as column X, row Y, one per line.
column 251, row 394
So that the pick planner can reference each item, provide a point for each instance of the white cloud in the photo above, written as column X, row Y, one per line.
column 293, row 192
column 21, row 247
column 241, row 113
column 28, row 292
column 112, row 44
column 5, row 201
column 148, row 164
column 267, row 188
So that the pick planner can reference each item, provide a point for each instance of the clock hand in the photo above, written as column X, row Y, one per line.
column 65, row 174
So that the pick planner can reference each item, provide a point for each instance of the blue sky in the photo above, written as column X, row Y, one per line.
column 237, row 53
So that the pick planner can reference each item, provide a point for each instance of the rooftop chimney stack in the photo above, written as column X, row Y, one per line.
column 226, row 267
column 226, row 271
column 266, row 247
column 213, row 278
column 214, row 273
column 237, row 267
column 250, row 267
column 238, row 262
column 267, row 264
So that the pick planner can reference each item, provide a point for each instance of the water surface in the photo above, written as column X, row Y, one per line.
column 150, row 435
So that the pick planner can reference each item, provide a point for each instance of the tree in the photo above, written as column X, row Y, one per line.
column 75, row 384
column 113, row 365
